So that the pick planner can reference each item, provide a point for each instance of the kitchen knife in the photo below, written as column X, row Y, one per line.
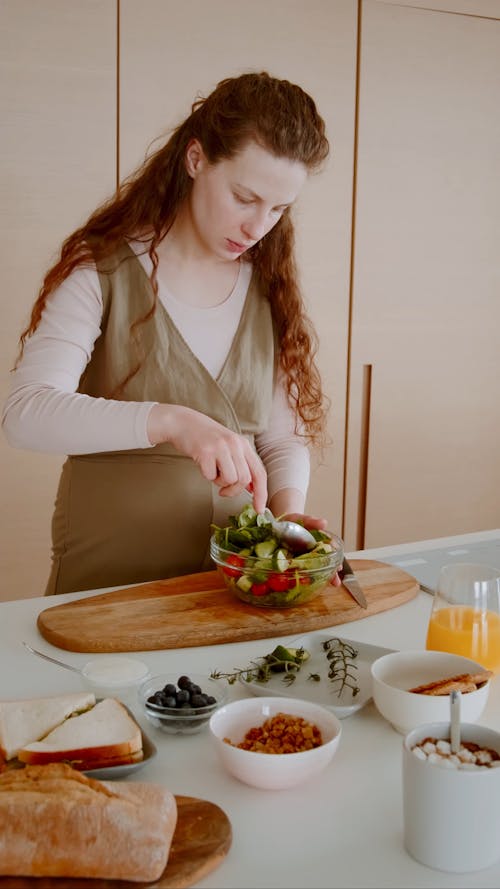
column 351, row 584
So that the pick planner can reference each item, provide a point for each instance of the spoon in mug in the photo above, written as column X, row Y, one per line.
column 455, row 697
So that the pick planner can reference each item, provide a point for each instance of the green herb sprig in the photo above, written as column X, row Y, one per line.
column 341, row 656
column 281, row 660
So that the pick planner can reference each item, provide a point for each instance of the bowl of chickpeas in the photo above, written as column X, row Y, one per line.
column 274, row 743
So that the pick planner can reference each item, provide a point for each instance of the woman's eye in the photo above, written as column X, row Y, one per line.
column 242, row 200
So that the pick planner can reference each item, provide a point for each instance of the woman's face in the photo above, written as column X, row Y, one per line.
column 235, row 202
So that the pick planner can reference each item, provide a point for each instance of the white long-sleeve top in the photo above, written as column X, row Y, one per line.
column 44, row 412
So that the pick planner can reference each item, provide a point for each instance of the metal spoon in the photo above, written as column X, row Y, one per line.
column 53, row 660
column 297, row 538
column 455, row 697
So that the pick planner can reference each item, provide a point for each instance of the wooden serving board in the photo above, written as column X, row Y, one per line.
column 201, row 841
column 197, row 609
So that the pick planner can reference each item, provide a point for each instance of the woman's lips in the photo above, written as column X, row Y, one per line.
column 235, row 247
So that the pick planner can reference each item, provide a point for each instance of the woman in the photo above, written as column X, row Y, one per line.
column 168, row 352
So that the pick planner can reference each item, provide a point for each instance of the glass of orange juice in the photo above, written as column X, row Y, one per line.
column 465, row 616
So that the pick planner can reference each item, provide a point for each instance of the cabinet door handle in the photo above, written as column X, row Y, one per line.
column 364, row 446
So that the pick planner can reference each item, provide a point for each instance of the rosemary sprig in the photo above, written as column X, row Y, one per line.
column 341, row 656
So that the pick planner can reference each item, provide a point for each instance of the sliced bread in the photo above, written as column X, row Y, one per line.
column 24, row 721
column 105, row 732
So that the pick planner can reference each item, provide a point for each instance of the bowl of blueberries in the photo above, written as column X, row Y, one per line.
column 181, row 704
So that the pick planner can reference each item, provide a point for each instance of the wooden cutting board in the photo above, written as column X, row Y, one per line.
column 197, row 609
column 201, row 841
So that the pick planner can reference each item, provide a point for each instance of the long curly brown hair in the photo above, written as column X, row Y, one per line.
column 282, row 118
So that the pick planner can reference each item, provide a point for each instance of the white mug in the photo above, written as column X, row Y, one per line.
column 451, row 816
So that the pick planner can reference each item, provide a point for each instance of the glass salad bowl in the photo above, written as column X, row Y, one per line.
column 260, row 570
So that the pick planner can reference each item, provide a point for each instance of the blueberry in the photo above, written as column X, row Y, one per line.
column 182, row 696
column 169, row 689
column 170, row 701
column 183, row 682
column 199, row 700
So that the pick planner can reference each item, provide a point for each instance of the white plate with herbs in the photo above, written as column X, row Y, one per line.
column 335, row 672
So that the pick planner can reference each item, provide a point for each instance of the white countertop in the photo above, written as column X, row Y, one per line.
column 344, row 828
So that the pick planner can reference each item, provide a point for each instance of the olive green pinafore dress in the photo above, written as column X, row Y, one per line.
column 136, row 515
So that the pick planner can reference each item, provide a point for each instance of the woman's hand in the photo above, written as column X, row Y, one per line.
column 223, row 457
column 287, row 504
column 309, row 522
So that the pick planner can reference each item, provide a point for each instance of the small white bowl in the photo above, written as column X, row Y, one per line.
column 114, row 676
column 393, row 674
column 265, row 770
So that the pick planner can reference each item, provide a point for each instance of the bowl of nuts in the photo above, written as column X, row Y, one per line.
column 274, row 743
column 181, row 704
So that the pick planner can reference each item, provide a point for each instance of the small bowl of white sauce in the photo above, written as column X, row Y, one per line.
column 114, row 676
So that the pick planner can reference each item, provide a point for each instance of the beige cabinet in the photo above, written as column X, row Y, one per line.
column 423, row 454
column 58, row 114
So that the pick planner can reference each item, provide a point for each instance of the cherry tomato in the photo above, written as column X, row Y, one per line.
column 238, row 563
column 305, row 581
column 280, row 582
column 259, row 589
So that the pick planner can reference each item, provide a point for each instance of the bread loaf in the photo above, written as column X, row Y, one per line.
column 56, row 822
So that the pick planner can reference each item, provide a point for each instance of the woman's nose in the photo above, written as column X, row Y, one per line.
column 256, row 227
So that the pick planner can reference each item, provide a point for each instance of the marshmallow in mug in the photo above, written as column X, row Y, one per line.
column 437, row 751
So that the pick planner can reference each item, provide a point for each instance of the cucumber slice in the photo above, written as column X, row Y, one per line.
column 308, row 561
column 280, row 561
column 323, row 548
column 244, row 583
column 247, row 516
column 265, row 548
column 263, row 565
column 262, row 521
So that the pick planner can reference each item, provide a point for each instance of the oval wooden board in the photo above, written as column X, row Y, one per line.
column 197, row 609
column 201, row 841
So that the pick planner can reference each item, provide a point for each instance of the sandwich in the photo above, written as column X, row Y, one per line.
column 56, row 822
column 29, row 720
column 106, row 735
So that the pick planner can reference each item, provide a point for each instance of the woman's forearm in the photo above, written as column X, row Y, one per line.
column 287, row 500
